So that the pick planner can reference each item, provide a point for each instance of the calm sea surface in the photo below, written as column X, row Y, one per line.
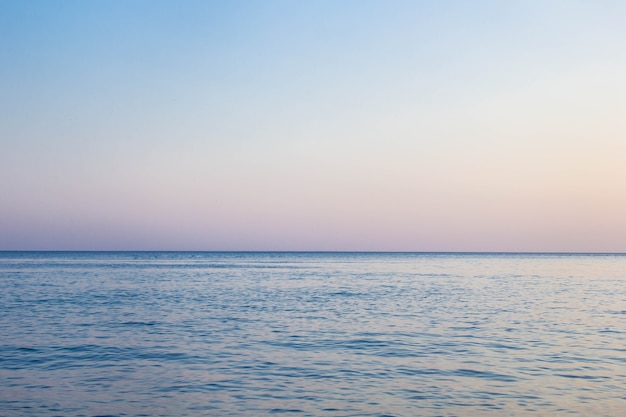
column 311, row 334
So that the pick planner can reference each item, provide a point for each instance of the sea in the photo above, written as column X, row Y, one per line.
column 312, row 334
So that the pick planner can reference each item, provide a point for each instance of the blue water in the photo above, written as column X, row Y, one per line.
column 312, row 334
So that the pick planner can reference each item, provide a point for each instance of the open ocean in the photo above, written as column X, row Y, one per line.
column 312, row 334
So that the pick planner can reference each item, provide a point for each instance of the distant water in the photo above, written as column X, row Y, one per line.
column 312, row 334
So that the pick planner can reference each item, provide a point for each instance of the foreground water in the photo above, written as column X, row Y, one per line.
column 312, row 334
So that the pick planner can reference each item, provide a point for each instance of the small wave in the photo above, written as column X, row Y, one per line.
column 471, row 373
column 139, row 323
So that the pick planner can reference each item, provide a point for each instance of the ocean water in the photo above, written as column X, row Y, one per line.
column 312, row 334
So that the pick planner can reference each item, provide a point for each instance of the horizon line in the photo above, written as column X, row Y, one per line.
column 316, row 251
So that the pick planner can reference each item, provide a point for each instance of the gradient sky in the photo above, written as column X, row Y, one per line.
column 313, row 125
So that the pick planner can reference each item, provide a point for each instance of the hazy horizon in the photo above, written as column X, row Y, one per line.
column 314, row 252
column 398, row 126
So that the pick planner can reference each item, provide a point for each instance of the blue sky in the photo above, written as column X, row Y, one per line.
column 343, row 125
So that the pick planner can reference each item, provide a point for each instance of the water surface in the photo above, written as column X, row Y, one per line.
column 311, row 334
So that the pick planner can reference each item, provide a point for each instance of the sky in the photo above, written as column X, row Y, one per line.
column 321, row 125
